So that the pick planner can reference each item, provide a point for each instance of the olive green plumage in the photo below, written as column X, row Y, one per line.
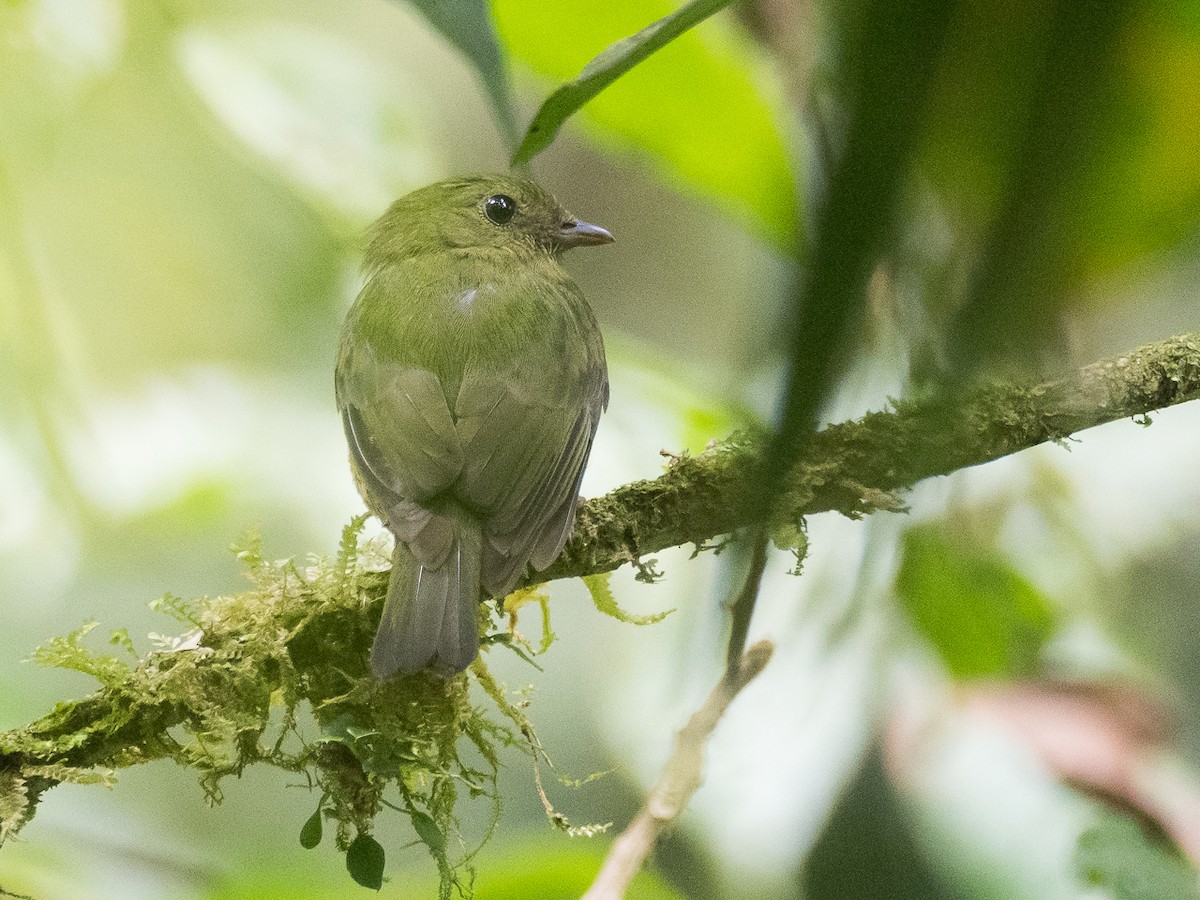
column 470, row 378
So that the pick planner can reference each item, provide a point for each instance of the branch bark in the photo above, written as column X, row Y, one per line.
column 857, row 467
column 853, row 468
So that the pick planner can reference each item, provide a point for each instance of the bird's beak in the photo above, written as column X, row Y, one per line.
column 577, row 233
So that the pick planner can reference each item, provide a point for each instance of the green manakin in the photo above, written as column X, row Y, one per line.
column 470, row 379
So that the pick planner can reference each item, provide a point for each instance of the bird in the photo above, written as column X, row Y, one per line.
column 470, row 379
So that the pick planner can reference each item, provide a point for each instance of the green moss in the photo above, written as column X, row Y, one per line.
column 228, row 692
column 602, row 595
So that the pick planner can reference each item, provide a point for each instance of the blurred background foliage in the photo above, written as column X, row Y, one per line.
column 962, row 695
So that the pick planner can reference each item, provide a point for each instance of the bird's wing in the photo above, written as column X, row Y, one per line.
column 402, row 439
column 526, row 432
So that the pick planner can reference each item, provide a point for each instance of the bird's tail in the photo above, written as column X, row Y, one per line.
column 431, row 616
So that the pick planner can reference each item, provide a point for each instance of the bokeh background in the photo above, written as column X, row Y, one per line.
column 183, row 190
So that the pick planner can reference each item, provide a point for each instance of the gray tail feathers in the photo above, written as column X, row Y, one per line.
column 431, row 616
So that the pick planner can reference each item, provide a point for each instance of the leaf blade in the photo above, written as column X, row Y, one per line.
column 613, row 62
column 981, row 616
column 602, row 596
column 429, row 833
column 467, row 24
column 310, row 833
column 364, row 862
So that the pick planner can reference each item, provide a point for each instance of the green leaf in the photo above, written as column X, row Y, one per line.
column 263, row 80
column 665, row 106
column 467, row 24
column 428, row 831
column 606, row 68
column 310, row 834
column 600, row 589
column 119, row 637
column 983, row 618
column 69, row 653
column 364, row 861
column 1117, row 856
column 182, row 611
column 888, row 63
column 1065, row 122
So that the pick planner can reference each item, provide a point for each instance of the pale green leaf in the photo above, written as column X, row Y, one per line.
column 606, row 68
column 428, row 831
column 1119, row 857
column 467, row 24
column 600, row 589
column 702, row 108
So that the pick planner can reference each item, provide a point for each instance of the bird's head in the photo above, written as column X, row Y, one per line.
column 479, row 212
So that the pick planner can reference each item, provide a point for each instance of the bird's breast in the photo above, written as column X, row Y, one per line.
column 468, row 301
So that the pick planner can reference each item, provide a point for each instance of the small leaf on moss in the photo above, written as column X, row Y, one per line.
column 310, row 834
column 600, row 589
column 519, row 598
column 69, row 653
column 248, row 548
column 181, row 610
column 364, row 861
column 119, row 637
column 428, row 831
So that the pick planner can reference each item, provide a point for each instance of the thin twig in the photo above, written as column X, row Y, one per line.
column 679, row 780
column 743, row 607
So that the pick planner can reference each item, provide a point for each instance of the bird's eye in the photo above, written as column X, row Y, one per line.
column 500, row 208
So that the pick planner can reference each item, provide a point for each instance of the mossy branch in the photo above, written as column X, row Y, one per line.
column 858, row 467
column 302, row 633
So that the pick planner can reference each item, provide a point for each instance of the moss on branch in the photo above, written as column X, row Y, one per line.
column 226, row 693
column 858, row 467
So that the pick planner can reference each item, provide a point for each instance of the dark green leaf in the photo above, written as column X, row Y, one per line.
column 600, row 587
column 364, row 861
column 664, row 108
column 889, row 61
column 983, row 618
column 1117, row 856
column 310, row 834
column 1064, row 121
column 467, row 24
column 428, row 831
column 606, row 68
column 868, row 848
